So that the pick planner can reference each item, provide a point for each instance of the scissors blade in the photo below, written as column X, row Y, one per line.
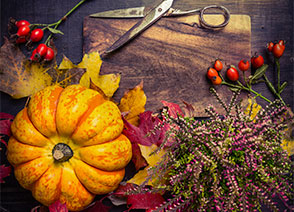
column 143, row 24
column 135, row 12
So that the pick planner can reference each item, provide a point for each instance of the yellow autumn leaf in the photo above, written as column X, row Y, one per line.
column 133, row 103
column 287, row 142
column 108, row 83
column 66, row 64
column 35, row 78
column 92, row 62
column 152, row 160
column 288, row 145
column 19, row 77
column 252, row 105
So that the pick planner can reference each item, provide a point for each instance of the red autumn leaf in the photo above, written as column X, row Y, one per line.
column 173, row 109
column 98, row 206
column 122, row 189
column 119, row 196
column 58, row 207
column 138, row 135
column 189, row 109
column 144, row 201
column 147, row 124
column 5, row 122
column 137, row 158
column 4, row 172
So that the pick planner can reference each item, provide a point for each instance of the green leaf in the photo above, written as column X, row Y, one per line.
column 259, row 72
column 283, row 86
column 234, row 89
column 55, row 31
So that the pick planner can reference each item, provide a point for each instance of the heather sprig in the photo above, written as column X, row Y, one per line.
column 228, row 163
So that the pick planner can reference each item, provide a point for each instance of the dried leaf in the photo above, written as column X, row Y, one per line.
column 4, row 172
column 145, row 201
column 58, row 207
column 20, row 78
column 133, row 103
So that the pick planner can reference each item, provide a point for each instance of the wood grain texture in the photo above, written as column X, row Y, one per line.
column 171, row 57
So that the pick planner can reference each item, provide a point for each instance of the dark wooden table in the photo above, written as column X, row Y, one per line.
column 271, row 20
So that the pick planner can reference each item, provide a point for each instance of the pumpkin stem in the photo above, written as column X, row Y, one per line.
column 62, row 152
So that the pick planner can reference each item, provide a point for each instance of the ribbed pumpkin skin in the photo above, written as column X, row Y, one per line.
column 90, row 125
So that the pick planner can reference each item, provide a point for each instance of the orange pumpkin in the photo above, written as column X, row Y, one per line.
column 68, row 145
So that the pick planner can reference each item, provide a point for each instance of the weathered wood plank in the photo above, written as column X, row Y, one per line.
column 171, row 57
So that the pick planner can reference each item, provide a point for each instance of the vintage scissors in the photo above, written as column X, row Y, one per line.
column 162, row 9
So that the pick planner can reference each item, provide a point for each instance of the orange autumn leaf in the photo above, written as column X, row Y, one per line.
column 133, row 103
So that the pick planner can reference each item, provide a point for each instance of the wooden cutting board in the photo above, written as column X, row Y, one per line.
column 171, row 57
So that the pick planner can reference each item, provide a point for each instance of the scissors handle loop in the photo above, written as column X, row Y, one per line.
column 224, row 11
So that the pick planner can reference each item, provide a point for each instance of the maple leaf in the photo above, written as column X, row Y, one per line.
column 98, row 206
column 138, row 135
column 108, row 83
column 145, row 201
column 173, row 109
column 4, row 172
column 5, row 122
column 58, row 207
column 133, row 103
column 21, row 77
column 147, row 123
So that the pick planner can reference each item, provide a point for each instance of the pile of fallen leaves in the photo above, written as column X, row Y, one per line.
column 22, row 78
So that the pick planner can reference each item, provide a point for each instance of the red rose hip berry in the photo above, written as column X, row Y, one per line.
column 36, row 35
column 49, row 54
column 232, row 74
column 257, row 61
